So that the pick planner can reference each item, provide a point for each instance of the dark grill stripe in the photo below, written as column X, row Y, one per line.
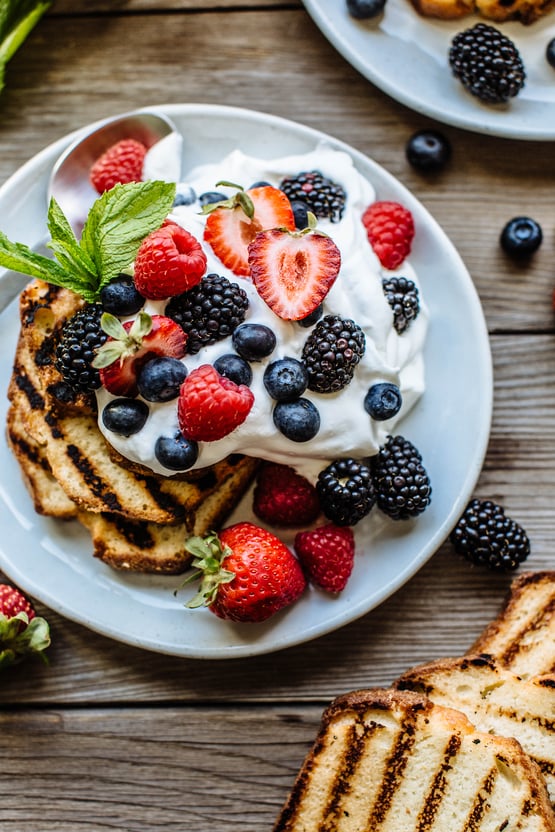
column 137, row 533
column 537, row 623
column 93, row 481
column 481, row 803
column 394, row 768
column 24, row 383
column 437, row 791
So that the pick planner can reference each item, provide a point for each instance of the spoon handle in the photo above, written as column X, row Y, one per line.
column 12, row 283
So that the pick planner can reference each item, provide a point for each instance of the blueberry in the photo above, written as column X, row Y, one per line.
column 209, row 197
column 120, row 297
column 383, row 401
column 125, row 416
column 160, row 378
column 312, row 317
column 365, row 9
column 521, row 236
column 234, row 368
column 428, row 150
column 184, row 195
column 550, row 53
column 176, row 452
column 300, row 213
column 260, row 184
column 298, row 420
column 253, row 341
column 286, row 379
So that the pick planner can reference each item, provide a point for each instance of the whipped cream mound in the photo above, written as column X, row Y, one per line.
column 346, row 429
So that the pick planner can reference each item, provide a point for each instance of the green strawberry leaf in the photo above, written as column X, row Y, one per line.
column 17, row 643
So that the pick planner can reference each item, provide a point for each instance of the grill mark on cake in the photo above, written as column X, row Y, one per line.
column 436, row 794
column 516, row 647
column 46, row 299
column 24, row 383
column 30, row 452
column 164, row 500
column 300, row 787
column 44, row 354
column 394, row 767
column 136, row 533
column 52, row 423
column 97, row 485
column 359, row 733
column 481, row 803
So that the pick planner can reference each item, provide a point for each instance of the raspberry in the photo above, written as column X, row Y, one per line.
column 390, row 230
column 169, row 261
column 121, row 163
column 327, row 556
column 284, row 498
column 210, row 406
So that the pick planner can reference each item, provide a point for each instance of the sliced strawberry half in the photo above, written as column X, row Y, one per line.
column 233, row 224
column 132, row 344
column 293, row 271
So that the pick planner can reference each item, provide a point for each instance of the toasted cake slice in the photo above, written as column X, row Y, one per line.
column 522, row 637
column 393, row 761
column 495, row 700
column 524, row 11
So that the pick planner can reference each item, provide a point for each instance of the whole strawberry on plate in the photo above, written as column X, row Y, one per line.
column 22, row 632
column 248, row 574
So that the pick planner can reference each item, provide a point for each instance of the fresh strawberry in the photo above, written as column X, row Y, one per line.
column 248, row 573
column 210, row 405
column 169, row 261
column 327, row 555
column 21, row 631
column 390, row 230
column 293, row 271
column 284, row 498
column 131, row 345
column 232, row 224
column 121, row 163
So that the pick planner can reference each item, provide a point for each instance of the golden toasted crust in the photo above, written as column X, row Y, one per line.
column 524, row 11
column 393, row 761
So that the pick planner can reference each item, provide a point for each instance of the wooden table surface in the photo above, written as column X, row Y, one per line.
column 109, row 737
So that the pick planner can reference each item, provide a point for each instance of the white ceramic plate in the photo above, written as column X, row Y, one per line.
column 405, row 55
column 52, row 560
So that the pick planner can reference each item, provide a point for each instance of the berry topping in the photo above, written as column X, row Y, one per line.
column 324, row 198
column 233, row 223
column 131, row 345
column 125, row 416
column 120, row 297
column 249, row 574
column 81, row 336
column 300, row 213
column 428, row 151
column 390, row 230
column 485, row 536
column 13, row 602
column 550, row 53
column 299, row 421
column 331, row 352
column 235, row 368
column 327, row 555
column 209, row 311
column 169, row 261
column 346, row 491
column 210, row 406
column 120, row 164
column 293, row 271
column 487, row 63
column 402, row 296
column 184, row 195
column 383, row 401
column 254, row 341
column 365, row 9
column 521, row 237
column 285, row 379
column 160, row 378
column 22, row 632
column 210, row 197
column 176, row 452
column 284, row 498
column 311, row 319
column 401, row 483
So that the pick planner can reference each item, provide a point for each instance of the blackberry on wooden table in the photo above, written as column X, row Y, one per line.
column 485, row 536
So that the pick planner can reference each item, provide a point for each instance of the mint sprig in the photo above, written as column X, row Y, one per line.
column 116, row 225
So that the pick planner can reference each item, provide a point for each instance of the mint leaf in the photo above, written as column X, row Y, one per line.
column 119, row 221
column 17, row 19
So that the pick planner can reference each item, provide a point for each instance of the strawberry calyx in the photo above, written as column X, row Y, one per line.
column 209, row 554
column 241, row 199
column 123, row 343
column 20, row 637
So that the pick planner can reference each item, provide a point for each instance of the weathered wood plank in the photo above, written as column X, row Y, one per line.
column 67, row 7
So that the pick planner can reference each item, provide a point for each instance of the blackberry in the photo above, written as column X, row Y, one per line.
column 331, row 352
column 81, row 336
column 486, row 537
column 326, row 199
column 346, row 491
column 209, row 311
column 487, row 63
column 402, row 296
column 402, row 485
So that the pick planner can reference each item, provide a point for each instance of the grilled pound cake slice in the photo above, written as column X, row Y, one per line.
column 393, row 761
column 495, row 700
column 524, row 11
column 522, row 637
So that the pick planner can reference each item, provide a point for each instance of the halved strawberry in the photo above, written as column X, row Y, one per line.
column 293, row 271
column 131, row 345
column 233, row 224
